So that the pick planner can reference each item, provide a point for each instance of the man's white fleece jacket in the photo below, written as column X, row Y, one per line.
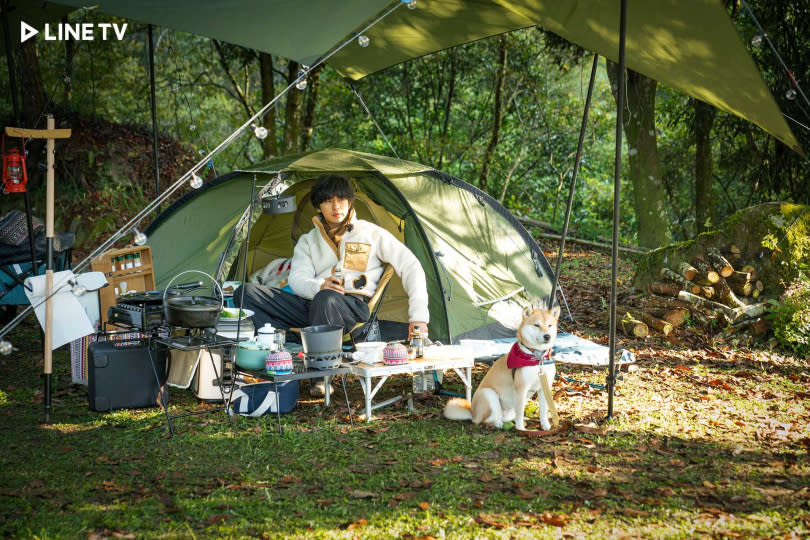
column 363, row 252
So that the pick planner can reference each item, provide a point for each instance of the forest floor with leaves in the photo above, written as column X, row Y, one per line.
column 709, row 439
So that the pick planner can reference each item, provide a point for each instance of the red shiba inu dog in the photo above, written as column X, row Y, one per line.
column 515, row 377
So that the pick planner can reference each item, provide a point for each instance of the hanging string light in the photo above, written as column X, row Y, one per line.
column 790, row 94
column 363, row 41
column 196, row 182
column 411, row 3
column 302, row 76
column 138, row 237
column 756, row 41
column 259, row 131
column 5, row 347
column 77, row 288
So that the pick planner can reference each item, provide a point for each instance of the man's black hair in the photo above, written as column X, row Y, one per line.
column 331, row 185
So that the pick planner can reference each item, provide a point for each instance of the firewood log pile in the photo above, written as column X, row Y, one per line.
column 716, row 290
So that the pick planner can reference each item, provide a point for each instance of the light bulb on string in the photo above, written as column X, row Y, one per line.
column 77, row 288
column 259, row 131
column 363, row 41
column 196, row 182
column 411, row 3
column 139, row 238
column 192, row 127
column 756, row 41
column 790, row 94
column 302, row 75
column 5, row 347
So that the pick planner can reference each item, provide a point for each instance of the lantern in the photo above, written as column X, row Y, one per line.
column 15, row 176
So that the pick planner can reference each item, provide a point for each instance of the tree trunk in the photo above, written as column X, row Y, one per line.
column 704, row 118
column 292, row 116
column 70, row 52
column 34, row 102
column 309, row 109
column 270, row 144
column 497, row 115
column 649, row 200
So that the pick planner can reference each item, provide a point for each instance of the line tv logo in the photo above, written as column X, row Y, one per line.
column 76, row 32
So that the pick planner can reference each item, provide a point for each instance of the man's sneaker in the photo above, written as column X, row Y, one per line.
column 317, row 388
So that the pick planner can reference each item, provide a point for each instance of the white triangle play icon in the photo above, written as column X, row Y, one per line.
column 27, row 32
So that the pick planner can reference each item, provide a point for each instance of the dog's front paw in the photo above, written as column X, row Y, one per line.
column 545, row 424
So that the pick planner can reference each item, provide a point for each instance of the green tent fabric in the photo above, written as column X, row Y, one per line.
column 482, row 266
column 689, row 45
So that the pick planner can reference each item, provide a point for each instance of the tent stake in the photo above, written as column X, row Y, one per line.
column 617, row 173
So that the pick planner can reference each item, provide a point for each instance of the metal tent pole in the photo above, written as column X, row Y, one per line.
column 153, row 101
column 571, row 189
column 617, row 172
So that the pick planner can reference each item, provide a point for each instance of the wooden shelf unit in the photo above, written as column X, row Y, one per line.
column 139, row 278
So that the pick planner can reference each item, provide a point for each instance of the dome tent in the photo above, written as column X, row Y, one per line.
column 481, row 265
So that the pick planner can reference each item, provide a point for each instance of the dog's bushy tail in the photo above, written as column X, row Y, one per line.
column 457, row 409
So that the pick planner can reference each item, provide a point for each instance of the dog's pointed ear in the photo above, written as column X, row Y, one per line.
column 555, row 311
column 528, row 310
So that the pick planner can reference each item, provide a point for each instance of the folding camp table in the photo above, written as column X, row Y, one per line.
column 460, row 360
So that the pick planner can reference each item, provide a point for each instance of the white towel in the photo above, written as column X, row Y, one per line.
column 69, row 318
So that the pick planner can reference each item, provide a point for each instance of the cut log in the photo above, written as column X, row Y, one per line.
column 675, row 277
column 755, row 293
column 664, row 288
column 708, row 274
column 720, row 263
column 724, row 310
column 632, row 327
column 740, row 282
column 755, row 327
column 687, row 270
column 664, row 303
column 751, row 269
column 707, row 291
column 726, row 295
column 758, row 285
column 751, row 312
column 662, row 326
column 676, row 317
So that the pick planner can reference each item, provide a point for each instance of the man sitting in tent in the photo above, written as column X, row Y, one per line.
column 355, row 249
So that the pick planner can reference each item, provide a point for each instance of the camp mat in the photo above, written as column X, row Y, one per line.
column 568, row 349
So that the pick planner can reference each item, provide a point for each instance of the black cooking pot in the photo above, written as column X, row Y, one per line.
column 190, row 311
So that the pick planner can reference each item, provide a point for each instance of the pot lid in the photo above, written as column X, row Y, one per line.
column 193, row 303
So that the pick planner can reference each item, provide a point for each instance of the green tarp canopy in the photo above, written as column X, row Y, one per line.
column 690, row 45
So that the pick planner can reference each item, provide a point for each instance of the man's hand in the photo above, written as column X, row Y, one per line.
column 422, row 326
column 334, row 284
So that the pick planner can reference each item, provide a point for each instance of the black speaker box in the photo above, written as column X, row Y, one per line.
column 120, row 375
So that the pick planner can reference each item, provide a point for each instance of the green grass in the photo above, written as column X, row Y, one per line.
column 705, row 442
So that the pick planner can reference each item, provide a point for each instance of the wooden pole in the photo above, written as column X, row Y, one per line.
column 49, row 205
column 49, row 134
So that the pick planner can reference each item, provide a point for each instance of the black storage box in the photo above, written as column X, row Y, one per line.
column 120, row 375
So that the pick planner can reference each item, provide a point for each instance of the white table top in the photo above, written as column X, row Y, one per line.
column 421, row 364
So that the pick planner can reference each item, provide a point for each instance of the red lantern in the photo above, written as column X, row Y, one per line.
column 15, row 175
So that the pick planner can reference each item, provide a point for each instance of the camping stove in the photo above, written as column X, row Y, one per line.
column 327, row 360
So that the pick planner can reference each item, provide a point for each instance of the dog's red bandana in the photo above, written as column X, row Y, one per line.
column 517, row 358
